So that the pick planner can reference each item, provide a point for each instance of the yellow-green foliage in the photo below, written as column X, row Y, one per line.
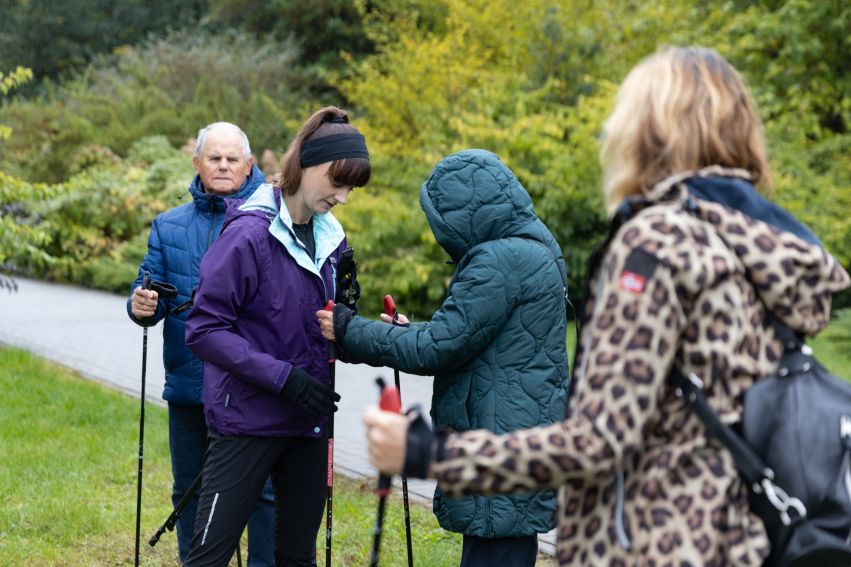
column 536, row 87
column 532, row 81
column 101, row 218
column 479, row 81
column 20, row 234
column 8, row 81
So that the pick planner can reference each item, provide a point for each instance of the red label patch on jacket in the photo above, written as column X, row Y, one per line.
column 637, row 269
column 633, row 282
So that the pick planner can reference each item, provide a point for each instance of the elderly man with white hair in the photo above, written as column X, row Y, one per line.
column 179, row 239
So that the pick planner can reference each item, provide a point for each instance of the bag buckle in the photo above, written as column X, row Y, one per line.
column 696, row 382
column 781, row 501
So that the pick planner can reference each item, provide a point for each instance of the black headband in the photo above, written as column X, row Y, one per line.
column 332, row 148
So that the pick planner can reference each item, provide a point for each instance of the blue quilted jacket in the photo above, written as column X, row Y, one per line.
column 496, row 347
column 179, row 239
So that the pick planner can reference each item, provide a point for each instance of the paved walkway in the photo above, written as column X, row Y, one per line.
column 89, row 331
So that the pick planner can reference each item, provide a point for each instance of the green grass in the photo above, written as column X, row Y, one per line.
column 833, row 346
column 68, row 464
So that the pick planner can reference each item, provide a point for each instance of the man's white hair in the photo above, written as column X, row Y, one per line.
column 203, row 132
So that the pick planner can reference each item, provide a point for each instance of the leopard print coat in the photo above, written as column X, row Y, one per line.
column 681, row 281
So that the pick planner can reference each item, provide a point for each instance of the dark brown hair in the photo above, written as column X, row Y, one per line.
column 354, row 172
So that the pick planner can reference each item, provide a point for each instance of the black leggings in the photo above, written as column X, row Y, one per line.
column 235, row 470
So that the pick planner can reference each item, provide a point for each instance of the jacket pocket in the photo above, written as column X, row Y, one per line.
column 451, row 405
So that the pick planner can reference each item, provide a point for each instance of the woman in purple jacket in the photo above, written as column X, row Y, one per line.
column 266, row 393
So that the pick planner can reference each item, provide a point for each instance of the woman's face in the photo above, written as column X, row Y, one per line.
column 318, row 193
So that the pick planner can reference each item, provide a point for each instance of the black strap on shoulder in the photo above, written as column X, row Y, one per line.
column 186, row 305
column 753, row 469
column 749, row 464
column 789, row 338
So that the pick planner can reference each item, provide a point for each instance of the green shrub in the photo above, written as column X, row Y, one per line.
column 169, row 87
column 534, row 88
column 96, row 224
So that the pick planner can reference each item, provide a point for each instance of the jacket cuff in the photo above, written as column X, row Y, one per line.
column 147, row 321
column 342, row 316
column 283, row 377
column 422, row 448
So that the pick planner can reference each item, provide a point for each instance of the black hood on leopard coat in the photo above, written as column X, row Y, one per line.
column 681, row 280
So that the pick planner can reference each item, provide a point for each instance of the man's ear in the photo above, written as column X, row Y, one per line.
column 196, row 162
column 251, row 162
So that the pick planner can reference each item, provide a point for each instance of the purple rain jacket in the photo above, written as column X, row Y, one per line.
column 253, row 317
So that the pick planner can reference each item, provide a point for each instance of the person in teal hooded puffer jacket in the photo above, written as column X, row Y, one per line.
column 496, row 347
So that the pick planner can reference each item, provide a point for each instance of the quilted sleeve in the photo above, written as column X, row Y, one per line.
column 628, row 348
column 154, row 262
column 478, row 303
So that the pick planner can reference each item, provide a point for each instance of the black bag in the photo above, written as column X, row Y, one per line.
column 347, row 287
column 795, row 453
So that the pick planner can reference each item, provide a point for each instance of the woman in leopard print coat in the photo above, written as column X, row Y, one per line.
column 695, row 262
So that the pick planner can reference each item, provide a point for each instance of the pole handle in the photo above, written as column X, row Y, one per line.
column 389, row 401
column 390, row 307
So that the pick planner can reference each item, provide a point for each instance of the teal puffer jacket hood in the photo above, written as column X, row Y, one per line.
column 471, row 197
column 496, row 347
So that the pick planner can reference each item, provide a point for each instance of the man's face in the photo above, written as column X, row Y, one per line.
column 222, row 167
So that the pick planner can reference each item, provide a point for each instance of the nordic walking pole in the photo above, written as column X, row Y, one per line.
column 390, row 309
column 332, row 359
column 390, row 401
column 171, row 521
column 146, row 284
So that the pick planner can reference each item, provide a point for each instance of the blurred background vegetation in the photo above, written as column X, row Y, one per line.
column 99, row 97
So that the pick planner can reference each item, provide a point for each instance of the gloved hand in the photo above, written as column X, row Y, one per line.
column 313, row 396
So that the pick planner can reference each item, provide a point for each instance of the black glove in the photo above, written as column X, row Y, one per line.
column 342, row 316
column 312, row 395
column 424, row 446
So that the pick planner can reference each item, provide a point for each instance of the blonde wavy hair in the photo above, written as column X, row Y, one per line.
column 682, row 109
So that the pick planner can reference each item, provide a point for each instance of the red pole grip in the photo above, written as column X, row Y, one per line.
column 389, row 305
column 390, row 400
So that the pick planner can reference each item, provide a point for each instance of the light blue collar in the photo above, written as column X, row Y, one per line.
column 327, row 231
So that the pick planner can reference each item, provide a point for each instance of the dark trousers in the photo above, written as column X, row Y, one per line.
column 235, row 470
column 502, row 551
column 187, row 437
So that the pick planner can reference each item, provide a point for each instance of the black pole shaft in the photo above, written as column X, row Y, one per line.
column 405, row 490
column 332, row 358
column 376, row 534
column 171, row 521
column 141, row 443
column 408, row 543
column 146, row 284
